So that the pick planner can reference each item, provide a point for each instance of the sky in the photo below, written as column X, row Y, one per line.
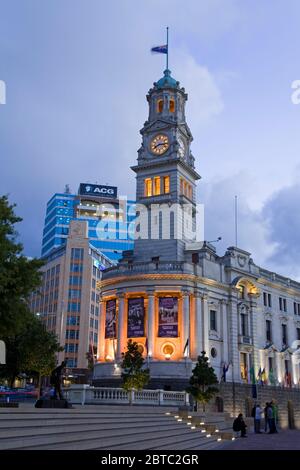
column 77, row 73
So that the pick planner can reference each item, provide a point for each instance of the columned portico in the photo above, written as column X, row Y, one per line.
column 224, row 317
column 205, row 311
column 186, row 324
column 121, row 342
column 198, row 325
column 151, row 324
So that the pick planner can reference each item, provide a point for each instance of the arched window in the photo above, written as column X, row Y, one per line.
column 172, row 106
column 160, row 106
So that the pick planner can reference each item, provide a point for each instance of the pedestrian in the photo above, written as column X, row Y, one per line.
column 239, row 425
column 275, row 415
column 257, row 419
column 270, row 419
column 265, row 416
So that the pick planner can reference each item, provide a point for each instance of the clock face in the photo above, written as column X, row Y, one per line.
column 181, row 149
column 159, row 144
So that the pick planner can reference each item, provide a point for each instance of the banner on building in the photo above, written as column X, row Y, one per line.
column 136, row 318
column 168, row 317
column 111, row 319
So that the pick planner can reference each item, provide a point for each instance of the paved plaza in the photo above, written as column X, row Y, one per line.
column 284, row 440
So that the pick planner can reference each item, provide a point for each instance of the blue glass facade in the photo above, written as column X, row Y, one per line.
column 110, row 223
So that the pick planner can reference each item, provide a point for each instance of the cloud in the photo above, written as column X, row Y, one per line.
column 282, row 218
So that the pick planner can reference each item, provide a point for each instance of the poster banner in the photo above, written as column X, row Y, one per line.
column 110, row 319
column 136, row 318
column 168, row 317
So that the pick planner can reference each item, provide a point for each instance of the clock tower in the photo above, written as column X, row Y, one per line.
column 166, row 176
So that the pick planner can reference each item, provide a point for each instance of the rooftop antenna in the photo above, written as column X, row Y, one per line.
column 236, row 219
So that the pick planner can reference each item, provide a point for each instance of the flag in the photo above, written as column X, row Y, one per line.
column 252, row 376
column 186, row 346
column 271, row 377
column 160, row 49
column 225, row 370
column 259, row 374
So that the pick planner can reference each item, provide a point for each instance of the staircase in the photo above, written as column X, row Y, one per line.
column 106, row 428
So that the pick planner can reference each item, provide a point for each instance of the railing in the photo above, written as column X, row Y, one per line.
column 84, row 394
column 144, row 268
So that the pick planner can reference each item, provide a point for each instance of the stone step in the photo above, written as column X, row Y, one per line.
column 74, row 422
column 90, row 439
column 61, row 429
column 185, row 441
column 194, row 441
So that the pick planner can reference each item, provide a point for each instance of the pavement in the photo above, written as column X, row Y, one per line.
column 284, row 440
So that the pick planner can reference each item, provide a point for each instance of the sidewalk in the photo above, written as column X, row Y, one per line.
column 284, row 440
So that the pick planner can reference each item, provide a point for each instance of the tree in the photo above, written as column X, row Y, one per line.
column 32, row 350
column 19, row 276
column 29, row 347
column 201, row 382
column 134, row 376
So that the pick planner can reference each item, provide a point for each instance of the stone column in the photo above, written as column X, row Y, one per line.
column 255, row 333
column 205, row 324
column 223, row 312
column 198, row 325
column 186, row 322
column 279, row 376
column 234, row 355
column 121, row 321
column 101, row 333
column 151, row 324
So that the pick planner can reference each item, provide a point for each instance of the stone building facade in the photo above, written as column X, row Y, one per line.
column 174, row 295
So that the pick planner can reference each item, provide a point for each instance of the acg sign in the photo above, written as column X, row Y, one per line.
column 98, row 190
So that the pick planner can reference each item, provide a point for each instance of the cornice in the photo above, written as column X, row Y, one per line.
column 154, row 277
column 274, row 285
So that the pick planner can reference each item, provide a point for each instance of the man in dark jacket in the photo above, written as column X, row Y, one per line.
column 240, row 425
column 55, row 380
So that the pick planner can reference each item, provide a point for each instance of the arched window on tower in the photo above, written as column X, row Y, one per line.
column 172, row 106
column 160, row 106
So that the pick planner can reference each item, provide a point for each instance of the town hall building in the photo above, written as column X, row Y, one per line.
column 173, row 294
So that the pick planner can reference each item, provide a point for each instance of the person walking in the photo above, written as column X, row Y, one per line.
column 265, row 416
column 275, row 415
column 257, row 418
column 270, row 419
column 239, row 425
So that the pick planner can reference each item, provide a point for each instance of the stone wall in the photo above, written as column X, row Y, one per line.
column 237, row 398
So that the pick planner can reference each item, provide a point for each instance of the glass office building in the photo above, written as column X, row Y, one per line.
column 110, row 219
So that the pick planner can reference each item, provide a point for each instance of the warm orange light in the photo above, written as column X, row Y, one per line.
column 156, row 185
column 166, row 184
column 148, row 187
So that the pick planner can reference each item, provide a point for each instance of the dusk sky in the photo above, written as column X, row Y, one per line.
column 76, row 75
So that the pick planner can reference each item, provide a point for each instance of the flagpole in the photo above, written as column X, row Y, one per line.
column 167, row 47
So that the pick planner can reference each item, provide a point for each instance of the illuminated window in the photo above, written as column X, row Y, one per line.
column 185, row 188
column 148, row 187
column 160, row 105
column 181, row 186
column 156, row 185
column 166, row 184
column 190, row 192
column 172, row 106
